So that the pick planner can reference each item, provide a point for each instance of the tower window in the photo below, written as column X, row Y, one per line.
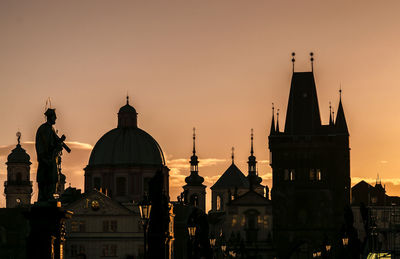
column 121, row 186
column 319, row 175
column 219, row 202
column 312, row 174
column 291, row 174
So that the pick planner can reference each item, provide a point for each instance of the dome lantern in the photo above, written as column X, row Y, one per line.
column 127, row 116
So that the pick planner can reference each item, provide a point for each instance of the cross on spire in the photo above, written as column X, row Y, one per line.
column 18, row 137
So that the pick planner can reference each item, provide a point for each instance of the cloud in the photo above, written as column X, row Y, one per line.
column 384, row 162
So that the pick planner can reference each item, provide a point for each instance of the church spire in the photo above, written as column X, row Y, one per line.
column 272, row 131
column 194, row 178
column 252, row 162
column 340, row 122
column 233, row 155
column 330, row 114
column 277, row 121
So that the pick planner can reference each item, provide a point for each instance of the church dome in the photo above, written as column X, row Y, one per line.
column 127, row 144
column 18, row 155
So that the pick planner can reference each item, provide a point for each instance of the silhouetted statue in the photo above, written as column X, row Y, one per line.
column 48, row 147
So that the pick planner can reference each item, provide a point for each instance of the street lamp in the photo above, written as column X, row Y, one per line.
column 145, row 209
column 192, row 234
column 345, row 241
column 212, row 242
column 223, row 249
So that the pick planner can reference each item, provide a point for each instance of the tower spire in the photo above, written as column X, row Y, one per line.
column 251, row 150
column 272, row 130
column 194, row 141
column 340, row 122
column 277, row 121
column 127, row 99
column 330, row 114
column 233, row 155
column 293, row 60
column 312, row 61
column 252, row 162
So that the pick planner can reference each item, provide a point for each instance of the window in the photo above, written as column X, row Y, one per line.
column 78, row 226
column 292, row 175
column 319, row 175
column 113, row 226
column 97, row 183
column 121, row 186
column 109, row 250
column 312, row 174
column 219, row 202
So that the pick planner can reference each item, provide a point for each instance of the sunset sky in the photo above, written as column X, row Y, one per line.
column 213, row 65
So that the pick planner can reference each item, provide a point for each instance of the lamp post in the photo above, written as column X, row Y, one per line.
column 192, row 235
column 223, row 249
column 345, row 242
column 212, row 244
column 145, row 209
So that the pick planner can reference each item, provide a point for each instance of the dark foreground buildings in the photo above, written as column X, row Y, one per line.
column 311, row 174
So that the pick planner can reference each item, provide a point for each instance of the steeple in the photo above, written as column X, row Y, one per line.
column 233, row 155
column 277, row 121
column 194, row 178
column 330, row 114
column 340, row 123
column 252, row 173
column 272, row 131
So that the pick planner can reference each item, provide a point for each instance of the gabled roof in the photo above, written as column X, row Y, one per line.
column 107, row 206
column 250, row 198
column 302, row 117
column 232, row 178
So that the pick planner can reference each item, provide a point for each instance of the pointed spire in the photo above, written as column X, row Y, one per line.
column 340, row 122
column 272, row 131
column 194, row 141
column 127, row 99
column 330, row 114
column 251, row 150
column 293, row 60
column 277, row 121
column 312, row 61
column 233, row 155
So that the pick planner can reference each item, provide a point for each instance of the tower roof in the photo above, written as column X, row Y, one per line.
column 18, row 154
column 340, row 123
column 194, row 178
column 231, row 178
column 302, row 117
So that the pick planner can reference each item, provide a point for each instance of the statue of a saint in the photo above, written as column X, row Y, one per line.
column 48, row 146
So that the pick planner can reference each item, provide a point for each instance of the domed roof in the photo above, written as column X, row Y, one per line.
column 18, row 155
column 126, row 146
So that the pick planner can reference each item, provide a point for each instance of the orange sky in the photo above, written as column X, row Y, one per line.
column 215, row 66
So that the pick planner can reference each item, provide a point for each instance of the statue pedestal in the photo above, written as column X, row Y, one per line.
column 47, row 231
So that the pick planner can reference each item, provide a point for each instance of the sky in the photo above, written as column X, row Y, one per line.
column 214, row 65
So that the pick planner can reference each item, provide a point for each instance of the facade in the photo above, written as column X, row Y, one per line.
column 311, row 174
column 18, row 187
column 102, row 227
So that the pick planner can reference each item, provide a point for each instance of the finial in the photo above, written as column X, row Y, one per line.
column 233, row 155
column 127, row 99
column 19, row 137
column 251, row 150
column 194, row 140
column 312, row 61
column 330, row 107
column 330, row 114
column 293, row 59
column 340, row 92
column 273, row 108
column 277, row 121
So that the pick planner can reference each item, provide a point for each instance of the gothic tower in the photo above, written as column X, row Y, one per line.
column 310, row 173
column 195, row 191
column 18, row 187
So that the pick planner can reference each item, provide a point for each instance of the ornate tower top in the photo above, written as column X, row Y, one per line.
column 194, row 178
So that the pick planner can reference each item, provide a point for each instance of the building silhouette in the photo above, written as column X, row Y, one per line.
column 195, row 190
column 311, row 173
column 18, row 187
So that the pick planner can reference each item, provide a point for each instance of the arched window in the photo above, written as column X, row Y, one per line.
column 292, row 175
column 319, row 175
column 219, row 203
